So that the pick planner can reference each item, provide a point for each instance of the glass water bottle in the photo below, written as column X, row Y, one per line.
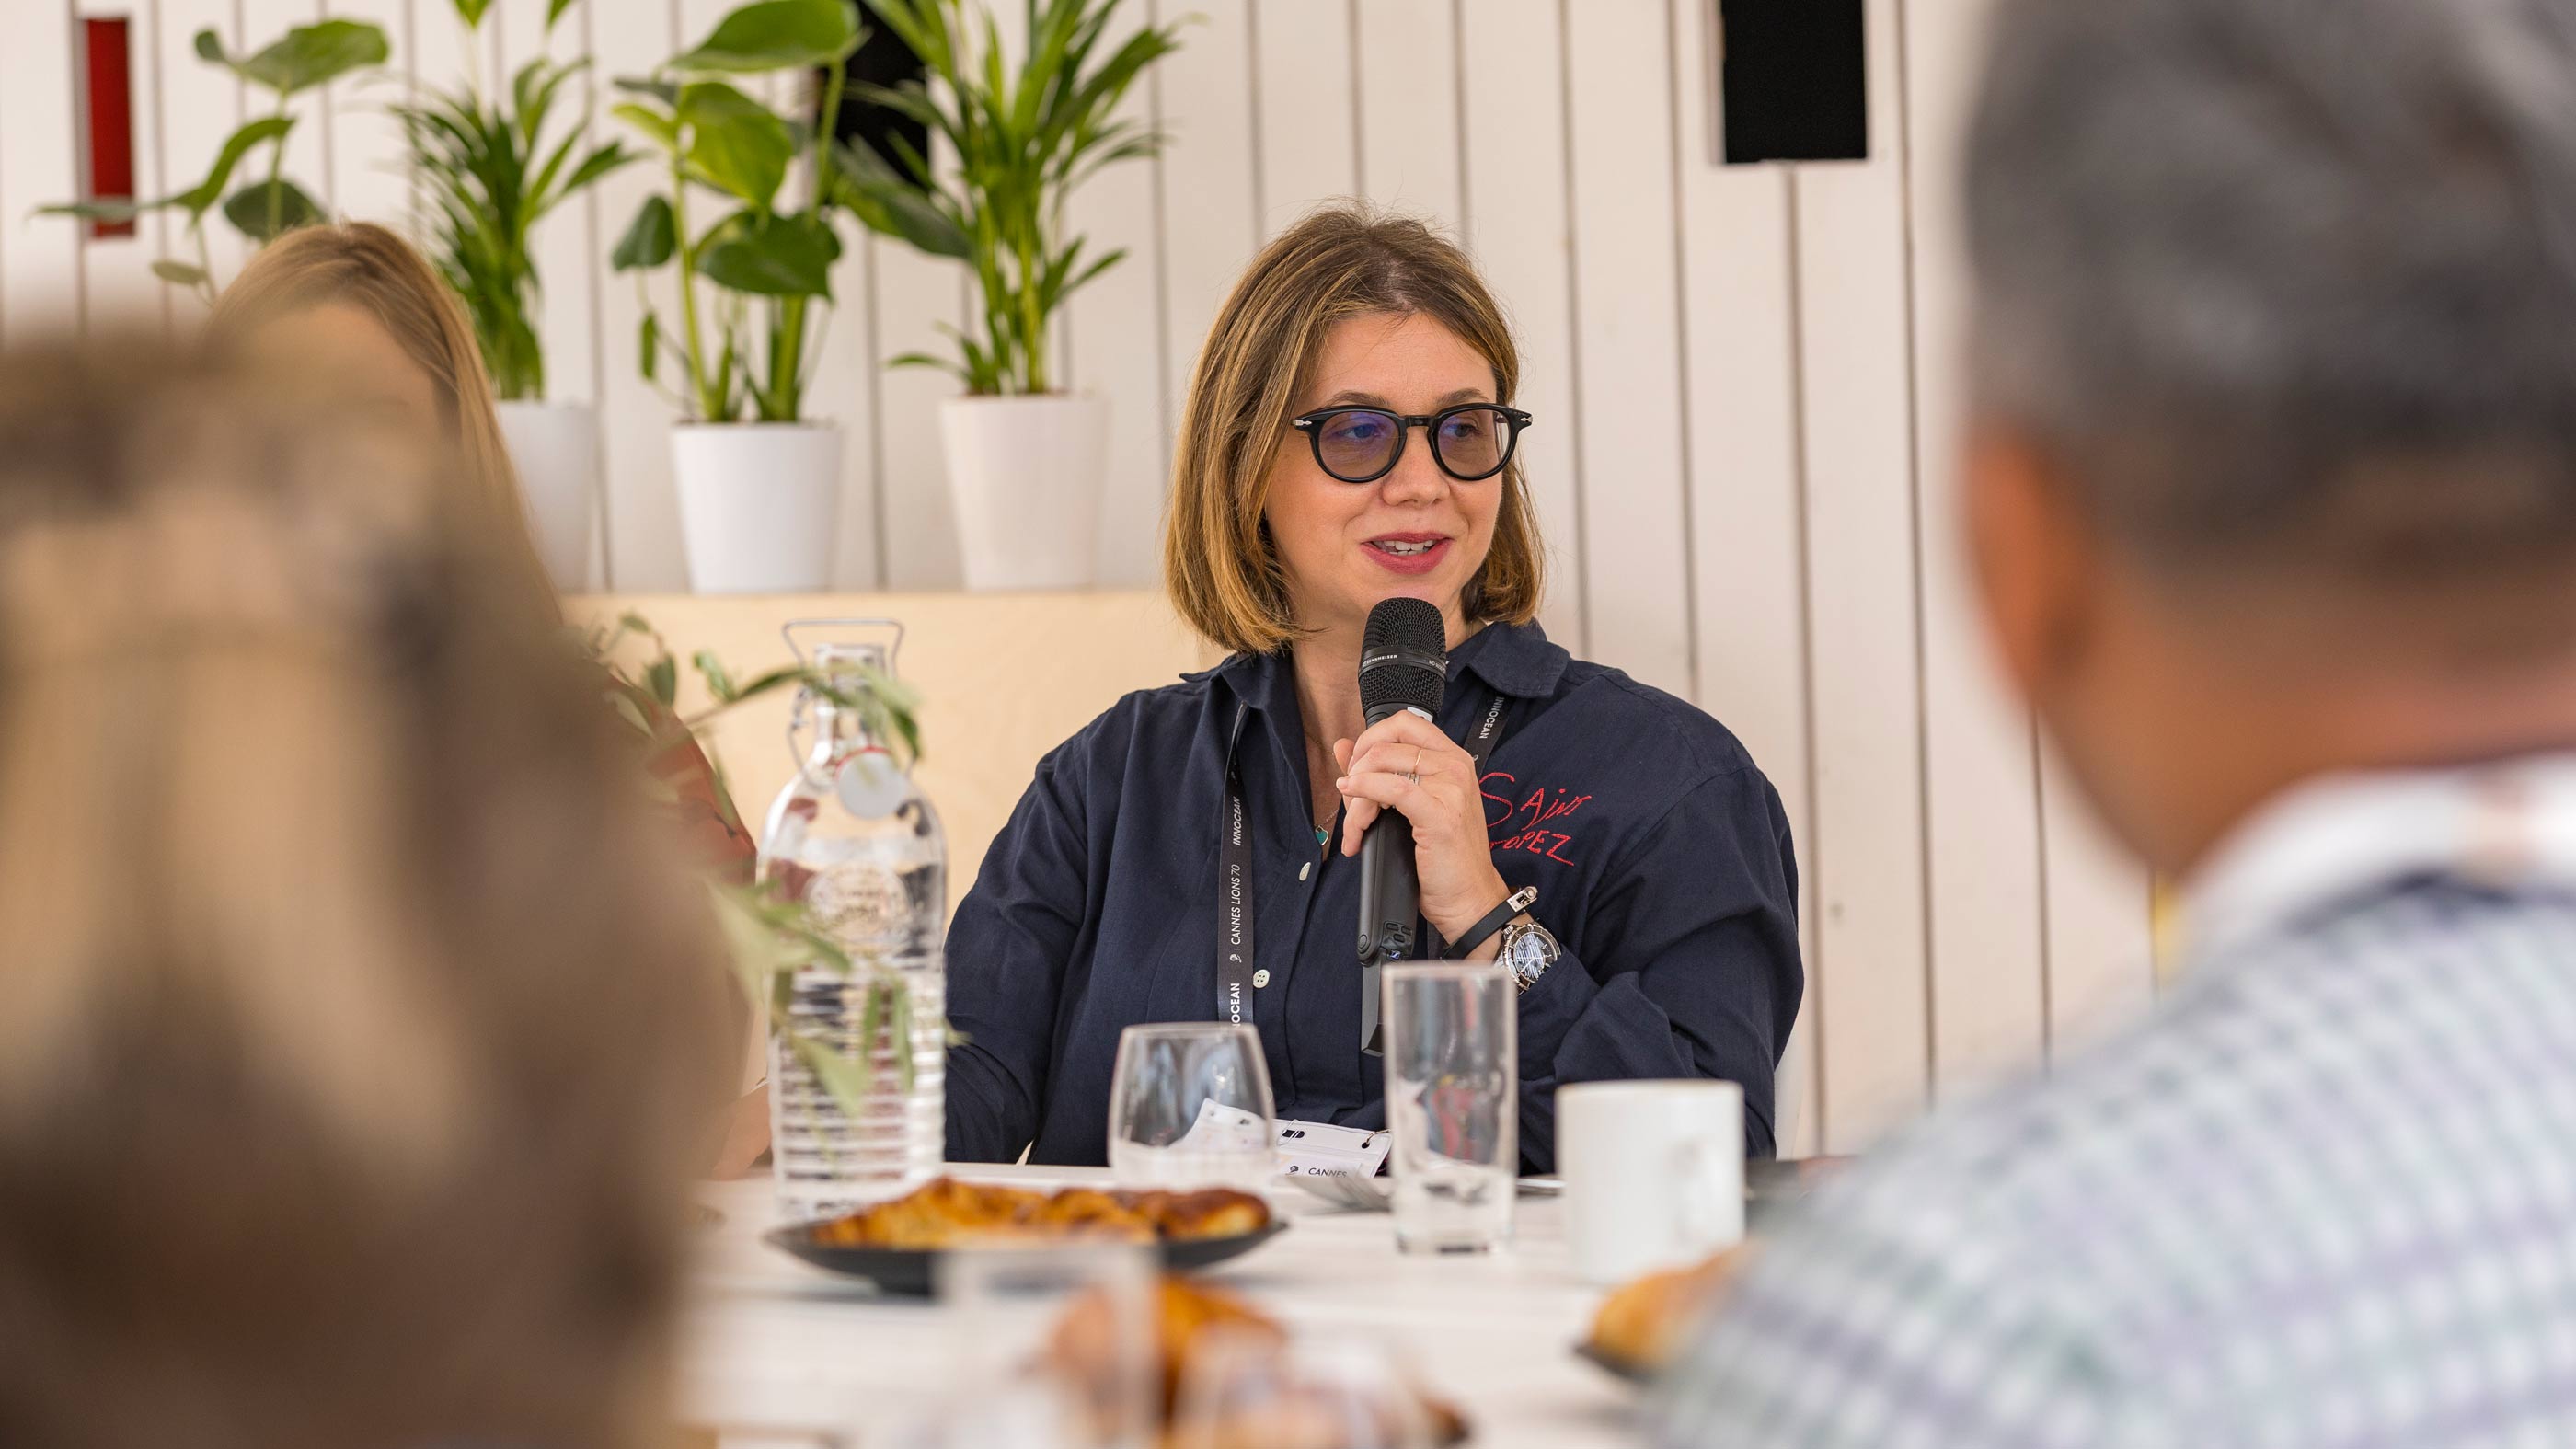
column 854, row 840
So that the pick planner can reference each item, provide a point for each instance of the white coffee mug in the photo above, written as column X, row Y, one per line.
column 1654, row 1173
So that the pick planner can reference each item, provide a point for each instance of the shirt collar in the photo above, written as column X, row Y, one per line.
column 1515, row 659
column 2506, row 823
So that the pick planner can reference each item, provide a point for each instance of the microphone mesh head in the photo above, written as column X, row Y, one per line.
column 1404, row 657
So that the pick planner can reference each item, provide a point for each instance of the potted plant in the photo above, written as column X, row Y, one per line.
column 759, row 483
column 307, row 58
column 491, row 173
column 1025, row 459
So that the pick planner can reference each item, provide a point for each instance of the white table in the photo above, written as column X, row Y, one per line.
column 771, row 1342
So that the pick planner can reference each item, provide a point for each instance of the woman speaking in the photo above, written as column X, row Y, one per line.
column 1349, row 438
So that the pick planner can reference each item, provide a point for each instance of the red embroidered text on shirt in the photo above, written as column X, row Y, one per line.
column 1527, row 819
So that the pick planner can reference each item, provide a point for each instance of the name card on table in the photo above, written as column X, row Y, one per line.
column 1319, row 1149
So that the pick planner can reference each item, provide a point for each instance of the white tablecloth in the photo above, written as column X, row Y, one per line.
column 771, row 1342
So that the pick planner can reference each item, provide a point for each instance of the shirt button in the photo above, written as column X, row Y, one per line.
column 1305, row 870
column 1260, row 978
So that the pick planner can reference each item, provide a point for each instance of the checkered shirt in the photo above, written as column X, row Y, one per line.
column 2326, row 1197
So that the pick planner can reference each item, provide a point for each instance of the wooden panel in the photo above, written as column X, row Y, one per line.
column 1627, row 345
column 40, row 256
column 1210, row 208
column 641, row 524
column 1405, row 63
column 1980, row 785
column 370, row 176
column 1063, row 657
column 1115, row 341
column 1512, row 98
column 2101, row 959
column 1745, row 512
column 1308, row 144
column 116, row 272
column 1866, row 850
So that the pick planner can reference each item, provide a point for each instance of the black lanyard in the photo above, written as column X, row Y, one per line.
column 1234, row 917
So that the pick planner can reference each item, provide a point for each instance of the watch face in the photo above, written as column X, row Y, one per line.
column 1527, row 954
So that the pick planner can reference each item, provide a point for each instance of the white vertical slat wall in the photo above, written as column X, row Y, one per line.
column 1742, row 445
column 1513, row 191
column 42, row 276
column 1982, row 864
column 1114, row 338
column 1746, row 381
column 1851, row 298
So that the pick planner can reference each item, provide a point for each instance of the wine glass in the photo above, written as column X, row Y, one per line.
column 1190, row 1107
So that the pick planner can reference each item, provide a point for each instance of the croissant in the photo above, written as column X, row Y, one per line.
column 1188, row 1317
column 948, row 1213
column 1642, row 1324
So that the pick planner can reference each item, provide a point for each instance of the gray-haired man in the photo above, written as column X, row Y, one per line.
column 2272, row 493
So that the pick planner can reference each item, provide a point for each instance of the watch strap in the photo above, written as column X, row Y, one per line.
column 1492, row 921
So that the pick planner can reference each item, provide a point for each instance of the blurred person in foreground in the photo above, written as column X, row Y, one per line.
column 355, row 1032
column 2272, row 497
column 357, row 307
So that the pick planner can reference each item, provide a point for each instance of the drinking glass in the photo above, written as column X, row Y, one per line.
column 1246, row 1391
column 1189, row 1107
column 1453, row 1104
column 1050, row 1347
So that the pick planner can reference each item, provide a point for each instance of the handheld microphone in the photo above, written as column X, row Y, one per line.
column 1404, row 664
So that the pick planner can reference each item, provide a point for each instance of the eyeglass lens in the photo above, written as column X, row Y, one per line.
column 1361, row 444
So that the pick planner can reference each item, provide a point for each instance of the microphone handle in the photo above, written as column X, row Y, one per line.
column 1390, row 912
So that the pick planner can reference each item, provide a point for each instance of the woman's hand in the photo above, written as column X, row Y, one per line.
column 1407, row 765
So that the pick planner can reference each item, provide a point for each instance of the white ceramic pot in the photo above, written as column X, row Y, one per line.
column 1026, row 474
column 555, row 449
column 759, row 504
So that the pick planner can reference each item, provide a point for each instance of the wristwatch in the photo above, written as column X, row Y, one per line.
column 1528, row 950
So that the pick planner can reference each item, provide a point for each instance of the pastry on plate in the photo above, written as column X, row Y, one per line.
column 1192, row 1321
column 1642, row 1324
column 949, row 1213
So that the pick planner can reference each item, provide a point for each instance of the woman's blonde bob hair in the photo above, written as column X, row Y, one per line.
column 363, row 265
column 1340, row 262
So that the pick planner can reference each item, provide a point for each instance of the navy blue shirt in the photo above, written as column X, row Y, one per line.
column 1660, row 853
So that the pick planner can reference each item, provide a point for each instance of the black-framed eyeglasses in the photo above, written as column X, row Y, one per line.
column 1471, row 442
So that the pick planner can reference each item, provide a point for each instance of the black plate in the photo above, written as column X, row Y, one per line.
column 913, row 1271
column 1629, row 1369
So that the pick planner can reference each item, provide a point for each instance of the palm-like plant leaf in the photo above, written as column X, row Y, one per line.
column 1019, row 138
column 491, row 174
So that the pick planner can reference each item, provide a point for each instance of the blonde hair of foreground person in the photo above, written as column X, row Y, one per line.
column 362, row 265
column 353, row 1030
column 1343, row 261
